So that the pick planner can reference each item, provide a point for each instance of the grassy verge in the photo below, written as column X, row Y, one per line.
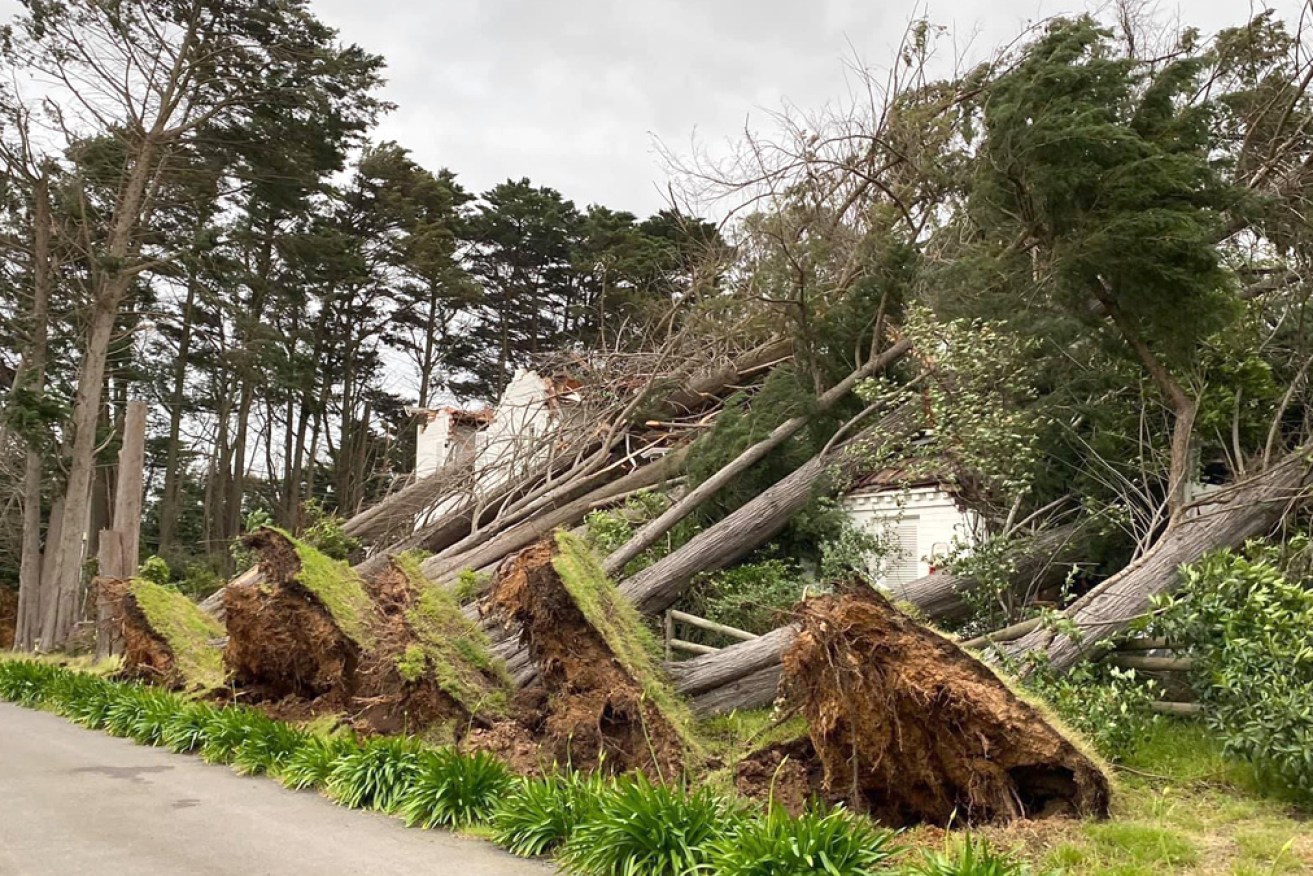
column 1183, row 808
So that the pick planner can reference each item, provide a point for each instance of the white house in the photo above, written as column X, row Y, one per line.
column 918, row 517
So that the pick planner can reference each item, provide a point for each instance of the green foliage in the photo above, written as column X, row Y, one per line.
column 155, row 570
column 188, row 728
column 323, row 532
column 750, row 596
column 267, row 747
column 452, row 647
column 1249, row 629
column 26, row 682
column 638, row 827
column 191, row 634
column 453, row 789
column 225, row 732
column 311, row 764
column 469, row 584
column 835, row 843
column 540, row 814
column 376, row 774
column 620, row 626
column 609, row 530
column 83, row 699
column 972, row 856
column 1107, row 705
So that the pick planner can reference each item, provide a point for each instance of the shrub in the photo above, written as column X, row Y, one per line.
column 138, row 712
column 267, row 746
column 835, row 843
column 970, row 857
column 225, row 731
column 311, row 764
column 751, row 596
column 641, row 827
column 540, row 814
column 324, row 532
column 1107, row 705
column 26, row 682
column 187, row 729
column 83, row 699
column 156, row 570
column 1250, row 631
column 374, row 775
column 450, row 788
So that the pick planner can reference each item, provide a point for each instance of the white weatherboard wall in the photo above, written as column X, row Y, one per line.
column 922, row 522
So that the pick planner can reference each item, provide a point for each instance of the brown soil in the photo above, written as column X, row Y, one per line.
column 288, row 655
column 8, row 617
column 908, row 727
column 584, row 708
column 146, row 655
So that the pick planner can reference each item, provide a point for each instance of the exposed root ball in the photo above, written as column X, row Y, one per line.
column 907, row 726
column 167, row 639
column 585, row 708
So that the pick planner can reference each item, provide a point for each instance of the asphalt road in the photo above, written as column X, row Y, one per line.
column 75, row 801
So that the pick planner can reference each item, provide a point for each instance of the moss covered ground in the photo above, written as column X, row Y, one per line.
column 452, row 648
column 190, row 633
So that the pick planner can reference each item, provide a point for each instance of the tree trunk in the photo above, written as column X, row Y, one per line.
column 1224, row 519
column 128, row 491
column 755, row 523
column 653, row 531
column 171, row 499
column 1044, row 561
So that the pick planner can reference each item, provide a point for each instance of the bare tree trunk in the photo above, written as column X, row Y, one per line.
column 1225, row 519
column 756, row 522
column 653, row 531
column 34, row 379
column 170, row 500
column 128, row 491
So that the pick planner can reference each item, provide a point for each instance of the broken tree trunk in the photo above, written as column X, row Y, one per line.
column 760, row 519
column 652, row 532
column 1223, row 519
column 910, row 728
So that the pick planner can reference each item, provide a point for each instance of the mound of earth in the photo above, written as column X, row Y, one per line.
column 598, row 700
column 904, row 725
column 166, row 637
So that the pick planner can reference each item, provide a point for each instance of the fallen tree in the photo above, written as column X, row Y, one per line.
column 1225, row 518
column 905, row 725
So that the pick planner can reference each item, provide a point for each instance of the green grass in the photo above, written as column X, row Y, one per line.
column 189, row 632
column 621, row 627
column 452, row 648
column 337, row 586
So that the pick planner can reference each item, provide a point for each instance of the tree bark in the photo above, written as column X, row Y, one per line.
column 653, row 531
column 1224, row 519
column 756, row 522
column 128, row 491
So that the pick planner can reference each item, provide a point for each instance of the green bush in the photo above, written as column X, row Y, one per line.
column 156, row 570
column 225, row 731
column 454, row 789
column 323, row 531
column 1249, row 629
column 376, row 774
column 26, row 682
column 969, row 857
column 312, row 763
column 751, row 596
column 641, row 827
column 540, row 814
column 1109, row 706
column 267, row 746
column 187, row 729
column 773, row 844
column 83, row 699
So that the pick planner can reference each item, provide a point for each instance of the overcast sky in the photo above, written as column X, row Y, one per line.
column 573, row 93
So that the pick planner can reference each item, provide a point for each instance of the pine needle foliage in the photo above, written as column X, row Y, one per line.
column 639, row 827
column 835, row 843
column 541, row 813
column 454, row 789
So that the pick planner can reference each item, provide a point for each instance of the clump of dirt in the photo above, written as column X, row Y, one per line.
column 315, row 639
column 584, row 709
column 146, row 654
column 906, row 726
column 8, row 617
